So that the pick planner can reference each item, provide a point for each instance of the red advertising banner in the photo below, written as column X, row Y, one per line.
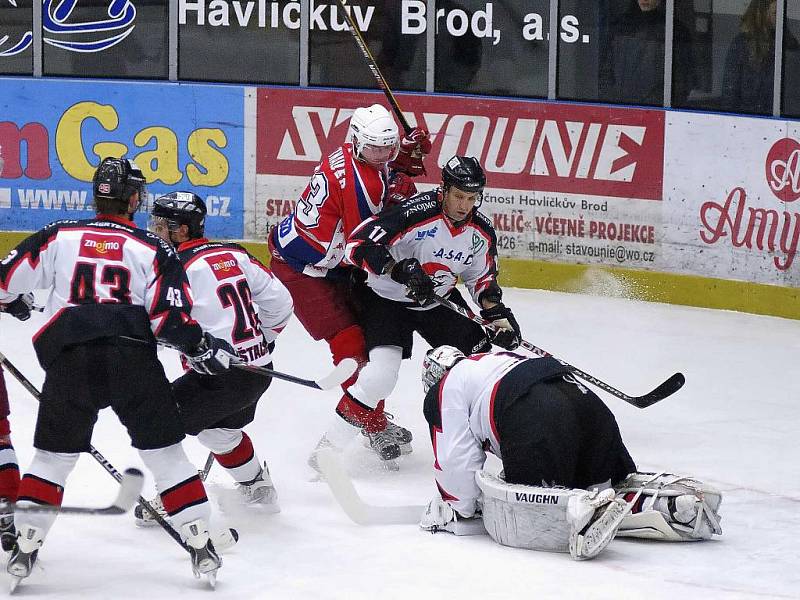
column 523, row 145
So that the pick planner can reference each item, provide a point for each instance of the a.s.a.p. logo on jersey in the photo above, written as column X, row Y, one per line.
column 108, row 247
column 19, row 42
column 68, row 24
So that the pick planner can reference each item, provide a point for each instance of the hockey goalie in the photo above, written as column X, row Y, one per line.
column 568, row 482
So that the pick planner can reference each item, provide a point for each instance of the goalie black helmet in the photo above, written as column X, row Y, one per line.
column 118, row 179
column 465, row 173
column 181, row 208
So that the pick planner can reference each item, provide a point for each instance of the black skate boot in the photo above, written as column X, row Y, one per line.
column 142, row 516
column 401, row 436
column 8, row 533
column 384, row 444
column 261, row 491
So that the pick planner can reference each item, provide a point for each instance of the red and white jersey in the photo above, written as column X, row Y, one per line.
column 466, row 396
column 107, row 278
column 341, row 194
column 236, row 298
column 418, row 229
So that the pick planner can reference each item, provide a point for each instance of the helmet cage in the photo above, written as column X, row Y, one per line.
column 437, row 362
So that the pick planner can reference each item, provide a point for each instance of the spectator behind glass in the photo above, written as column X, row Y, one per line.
column 635, row 72
column 747, row 84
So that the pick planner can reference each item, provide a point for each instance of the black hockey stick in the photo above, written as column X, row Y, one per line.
column 341, row 373
column 129, row 488
column 373, row 67
column 111, row 470
column 667, row 388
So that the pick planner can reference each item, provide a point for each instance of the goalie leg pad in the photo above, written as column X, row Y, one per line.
column 672, row 508
column 552, row 519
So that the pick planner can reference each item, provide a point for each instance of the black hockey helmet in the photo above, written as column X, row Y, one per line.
column 465, row 173
column 181, row 208
column 118, row 179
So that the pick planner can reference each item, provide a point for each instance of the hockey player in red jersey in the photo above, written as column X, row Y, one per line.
column 114, row 290
column 562, row 452
column 237, row 299
column 412, row 252
column 351, row 184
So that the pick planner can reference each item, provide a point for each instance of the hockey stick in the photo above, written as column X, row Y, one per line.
column 359, row 511
column 373, row 67
column 665, row 389
column 129, row 488
column 341, row 373
column 225, row 540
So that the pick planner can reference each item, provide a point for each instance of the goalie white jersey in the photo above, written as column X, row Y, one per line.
column 236, row 298
column 466, row 426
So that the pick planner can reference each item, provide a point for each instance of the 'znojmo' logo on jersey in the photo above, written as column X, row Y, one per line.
column 11, row 47
column 63, row 31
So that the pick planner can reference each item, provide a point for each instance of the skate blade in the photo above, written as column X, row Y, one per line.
column 211, row 579
column 406, row 449
column 15, row 581
column 390, row 465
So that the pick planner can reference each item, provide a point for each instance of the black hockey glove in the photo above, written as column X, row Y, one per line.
column 420, row 286
column 212, row 356
column 507, row 333
column 21, row 307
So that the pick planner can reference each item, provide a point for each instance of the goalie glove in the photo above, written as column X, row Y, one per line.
column 20, row 308
column 507, row 332
column 440, row 516
column 212, row 356
column 413, row 147
column 419, row 285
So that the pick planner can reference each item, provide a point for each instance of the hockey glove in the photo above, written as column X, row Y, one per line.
column 21, row 307
column 438, row 516
column 212, row 356
column 401, row 188
column 507, row 333
column 419, row 286
column 413, row 147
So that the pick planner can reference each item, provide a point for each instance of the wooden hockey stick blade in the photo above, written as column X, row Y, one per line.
column 354, row 507
column 341, row 373
column 129, row 489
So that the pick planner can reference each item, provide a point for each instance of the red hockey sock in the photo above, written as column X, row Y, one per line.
column 9, row 473
column 40, row 491
column 349, row 343
column 361, row 415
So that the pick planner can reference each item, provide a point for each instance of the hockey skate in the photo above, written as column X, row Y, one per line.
column 142, row 516
column 608, row 512
column 401, row 436
column 8, row 533
column 384, row 444
column 261, row 491
column 205, row 560
column 23, row 554
column 671, row 508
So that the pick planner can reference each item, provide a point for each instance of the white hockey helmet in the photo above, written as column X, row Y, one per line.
column 374, row 135
column 437, row 362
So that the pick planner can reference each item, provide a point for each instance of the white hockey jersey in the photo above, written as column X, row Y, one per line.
column 466, row 396
column 418, row 229
column 236, row 298
column 107, row 278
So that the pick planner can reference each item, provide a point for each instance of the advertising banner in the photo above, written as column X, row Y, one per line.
column 54, row 133
column 567, row 183
column 731, row 200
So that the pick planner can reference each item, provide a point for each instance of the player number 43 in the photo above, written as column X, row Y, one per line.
column 174, row 297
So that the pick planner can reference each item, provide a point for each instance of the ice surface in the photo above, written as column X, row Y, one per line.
column 735, row 424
